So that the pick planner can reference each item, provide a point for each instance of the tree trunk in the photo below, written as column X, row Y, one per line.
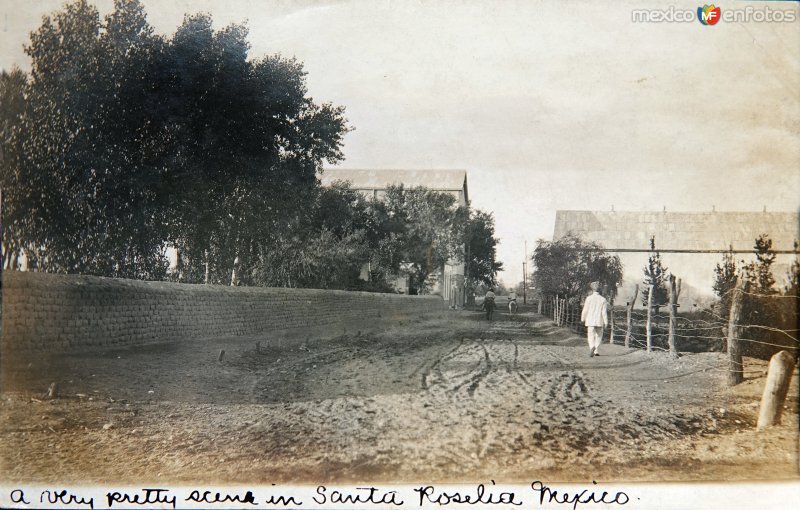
column 649, row 318
column 630, row 313
column 673, row 314
column 205, row 254
column 735, row 367
column 611, row 321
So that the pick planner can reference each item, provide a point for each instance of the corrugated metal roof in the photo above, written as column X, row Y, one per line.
column 717, row 230
column 450, row 180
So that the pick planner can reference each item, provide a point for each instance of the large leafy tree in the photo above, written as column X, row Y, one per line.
column 132, row 142
column 568, row 265
column 482, row 265
column 325, row 248
column 89, row 154
column 421, row 231
column 15, row 192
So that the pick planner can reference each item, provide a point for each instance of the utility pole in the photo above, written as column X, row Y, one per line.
column 525, row 276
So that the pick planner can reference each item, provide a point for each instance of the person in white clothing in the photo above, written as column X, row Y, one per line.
column 595, row 316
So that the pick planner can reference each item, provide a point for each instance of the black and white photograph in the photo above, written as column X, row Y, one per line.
column 385, row 254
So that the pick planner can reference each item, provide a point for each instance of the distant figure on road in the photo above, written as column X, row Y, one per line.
column 512, row 302
column 488, row 303
column 595, row 316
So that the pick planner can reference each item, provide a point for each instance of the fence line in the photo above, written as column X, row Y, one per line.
column 680, row 331
column 697, row 334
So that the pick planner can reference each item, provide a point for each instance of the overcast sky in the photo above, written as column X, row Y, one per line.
column 547, row 105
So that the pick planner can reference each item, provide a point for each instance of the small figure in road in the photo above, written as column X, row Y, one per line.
column 512, row 302
column 595, row 316
column 488, row 303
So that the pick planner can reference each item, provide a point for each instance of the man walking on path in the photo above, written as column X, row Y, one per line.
column 595, row 316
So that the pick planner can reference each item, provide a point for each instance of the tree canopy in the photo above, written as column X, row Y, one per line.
column 759, row 272
column 121, row 145
column 568, row 265
column 128, row 142
column 423, row 230
column 482, row 265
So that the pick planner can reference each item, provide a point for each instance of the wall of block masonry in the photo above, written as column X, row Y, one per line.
column 47, row 312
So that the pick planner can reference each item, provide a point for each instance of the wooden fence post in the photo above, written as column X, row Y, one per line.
column 555, row 309
column 558, row 310
column 781, row 367
column 567, row 313
column 673, row 314
column 649, row 318
column 630, row 313
column 611, row 321
column 735, row 367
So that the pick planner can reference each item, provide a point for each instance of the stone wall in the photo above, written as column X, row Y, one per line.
column 47, row 312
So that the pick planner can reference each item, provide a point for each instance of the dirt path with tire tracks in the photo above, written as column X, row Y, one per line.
column 446, row 399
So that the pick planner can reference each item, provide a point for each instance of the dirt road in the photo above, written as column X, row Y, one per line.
column 450, row 398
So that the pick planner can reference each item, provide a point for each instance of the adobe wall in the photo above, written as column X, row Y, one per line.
column 49, row 312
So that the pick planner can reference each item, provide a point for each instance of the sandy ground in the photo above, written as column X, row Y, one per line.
column 449, row 398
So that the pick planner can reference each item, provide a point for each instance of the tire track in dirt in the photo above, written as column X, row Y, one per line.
column 435, row 365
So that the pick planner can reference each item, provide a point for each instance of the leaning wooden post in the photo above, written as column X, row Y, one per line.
column 673, row 314
column 630, row 313
column 649, row 318
column 735, row 367
column 781, row 367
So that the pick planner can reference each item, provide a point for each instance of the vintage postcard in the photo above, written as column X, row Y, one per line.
column 383, row 254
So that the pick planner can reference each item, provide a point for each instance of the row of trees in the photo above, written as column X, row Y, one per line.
column 120, row 145
column 567, row 266
column 758, row 279
column 121, row 142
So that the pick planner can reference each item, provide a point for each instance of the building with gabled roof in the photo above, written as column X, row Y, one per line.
column 691, row 243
